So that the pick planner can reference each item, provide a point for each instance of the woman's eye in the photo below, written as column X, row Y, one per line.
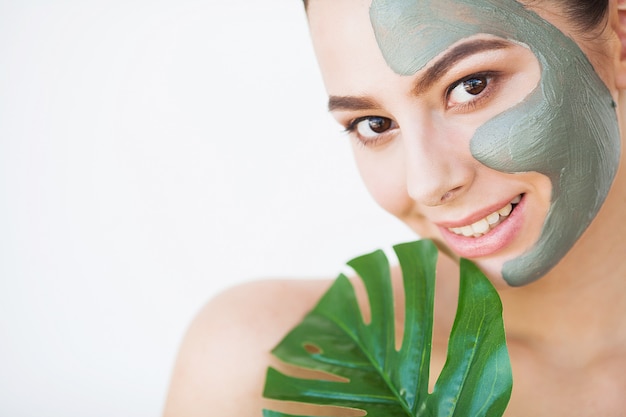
column 372, row 130
column 372, row 126
column 467, row 90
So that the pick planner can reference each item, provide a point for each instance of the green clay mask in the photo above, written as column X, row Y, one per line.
column 565, row 129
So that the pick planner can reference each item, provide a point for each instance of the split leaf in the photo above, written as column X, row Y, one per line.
column 386, row 382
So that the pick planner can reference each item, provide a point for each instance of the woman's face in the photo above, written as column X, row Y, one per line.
column 477, row 123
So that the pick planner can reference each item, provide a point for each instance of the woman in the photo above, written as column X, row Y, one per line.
column 489, row 126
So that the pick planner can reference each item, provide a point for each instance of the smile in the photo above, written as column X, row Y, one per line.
column 483, row 226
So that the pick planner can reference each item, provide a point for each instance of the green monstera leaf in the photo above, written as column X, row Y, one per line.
column 386, row 382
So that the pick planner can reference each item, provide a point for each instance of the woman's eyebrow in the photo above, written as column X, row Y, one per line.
column 458, row 53
column 351, row 103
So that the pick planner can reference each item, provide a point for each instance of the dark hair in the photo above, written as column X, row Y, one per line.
column 586, row 14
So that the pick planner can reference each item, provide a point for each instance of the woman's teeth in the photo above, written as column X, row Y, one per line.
column 484, row 225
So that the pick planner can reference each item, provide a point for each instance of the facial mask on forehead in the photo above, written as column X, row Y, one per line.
column 565, row 129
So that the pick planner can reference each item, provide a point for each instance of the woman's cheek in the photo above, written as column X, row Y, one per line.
column 385, row 178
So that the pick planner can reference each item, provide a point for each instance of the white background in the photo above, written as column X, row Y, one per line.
column 152, row 153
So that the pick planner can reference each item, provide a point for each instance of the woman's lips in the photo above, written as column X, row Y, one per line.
column 487, row 234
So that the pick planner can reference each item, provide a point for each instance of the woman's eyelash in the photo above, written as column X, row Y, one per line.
column 385, row 124
column 491, row 79
column 352, row 124
column 483, row 74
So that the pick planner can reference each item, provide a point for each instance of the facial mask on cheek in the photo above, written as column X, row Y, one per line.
column 565, row 129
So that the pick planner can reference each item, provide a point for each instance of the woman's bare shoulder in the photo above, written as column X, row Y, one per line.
column 221, row 365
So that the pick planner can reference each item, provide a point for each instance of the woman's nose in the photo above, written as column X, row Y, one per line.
column 439, row 165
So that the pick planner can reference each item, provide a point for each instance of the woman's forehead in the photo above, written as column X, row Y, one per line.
column 344, row 42
column 404, row 35
column 411, row 33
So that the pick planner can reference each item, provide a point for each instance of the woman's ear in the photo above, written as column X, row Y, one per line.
column 618, row 23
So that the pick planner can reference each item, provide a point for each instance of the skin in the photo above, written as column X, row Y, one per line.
column 565, row 332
